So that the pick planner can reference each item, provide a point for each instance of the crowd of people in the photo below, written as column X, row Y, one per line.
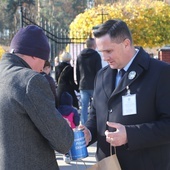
column 124, row 105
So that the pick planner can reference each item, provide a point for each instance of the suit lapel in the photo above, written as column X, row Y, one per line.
column 138, row 66
column 126, row 81
column 108, row 81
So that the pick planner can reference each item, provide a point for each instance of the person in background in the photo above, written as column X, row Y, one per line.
column 31, row 127
column 70, row 113
column 87, row 66
column 56, row 61
column 130, row 112
column 65, row 78
column 46, row 73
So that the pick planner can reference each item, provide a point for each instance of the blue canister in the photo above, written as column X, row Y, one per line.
column 78, row 149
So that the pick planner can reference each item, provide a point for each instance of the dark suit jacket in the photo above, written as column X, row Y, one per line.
column 148, row 131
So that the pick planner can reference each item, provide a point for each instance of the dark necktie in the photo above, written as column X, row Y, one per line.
column 122, row 72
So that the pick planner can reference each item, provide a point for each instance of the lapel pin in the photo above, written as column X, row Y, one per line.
column 132, row 75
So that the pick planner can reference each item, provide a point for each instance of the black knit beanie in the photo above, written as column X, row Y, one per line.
column 31, row 41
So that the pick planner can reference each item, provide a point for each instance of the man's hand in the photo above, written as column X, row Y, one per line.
column 117, row 138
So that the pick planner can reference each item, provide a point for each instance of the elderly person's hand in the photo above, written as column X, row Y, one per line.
column 87, row 133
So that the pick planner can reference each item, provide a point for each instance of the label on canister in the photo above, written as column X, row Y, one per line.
column 78, row 149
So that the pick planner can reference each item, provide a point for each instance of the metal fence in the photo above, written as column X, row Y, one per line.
column 59, row 38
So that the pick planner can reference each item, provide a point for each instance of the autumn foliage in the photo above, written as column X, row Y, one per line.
column 148, row 20
column 2, row 51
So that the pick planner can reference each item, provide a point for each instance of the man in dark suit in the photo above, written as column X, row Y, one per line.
column 133, row 113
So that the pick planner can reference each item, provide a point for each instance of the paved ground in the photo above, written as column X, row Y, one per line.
column 80, row 164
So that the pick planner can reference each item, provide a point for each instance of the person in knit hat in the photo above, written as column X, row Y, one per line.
column 31, row 126
column 70, row 113
column 67, row 110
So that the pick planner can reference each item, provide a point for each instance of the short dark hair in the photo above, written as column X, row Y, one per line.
column 117, row 30
column 90, row 42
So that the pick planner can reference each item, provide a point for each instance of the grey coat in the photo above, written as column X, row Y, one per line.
column 30, row 126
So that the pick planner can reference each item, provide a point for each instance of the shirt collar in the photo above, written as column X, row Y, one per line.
column 130, row 62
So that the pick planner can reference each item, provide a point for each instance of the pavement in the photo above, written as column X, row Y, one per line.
column 79, row 164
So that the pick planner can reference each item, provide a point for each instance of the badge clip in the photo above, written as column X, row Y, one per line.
column 128, row 90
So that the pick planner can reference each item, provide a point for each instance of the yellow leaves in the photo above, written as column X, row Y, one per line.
column 147, row 19
column 2, row 51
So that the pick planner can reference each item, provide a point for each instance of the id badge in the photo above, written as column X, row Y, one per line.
column 129, row 104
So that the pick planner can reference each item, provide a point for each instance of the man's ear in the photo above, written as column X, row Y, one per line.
column 126, row 42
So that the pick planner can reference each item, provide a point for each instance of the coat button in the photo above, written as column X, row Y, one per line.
column 110, row 111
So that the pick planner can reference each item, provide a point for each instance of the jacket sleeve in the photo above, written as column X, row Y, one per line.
column 40, row 106
column 91, row 123
column 72, row 82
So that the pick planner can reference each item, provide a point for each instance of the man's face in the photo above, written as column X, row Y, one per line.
column 112, row 52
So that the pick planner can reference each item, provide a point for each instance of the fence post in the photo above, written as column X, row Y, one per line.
column 21, row 14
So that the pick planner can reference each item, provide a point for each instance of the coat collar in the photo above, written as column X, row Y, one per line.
column 15, row 59
column 139, row 65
